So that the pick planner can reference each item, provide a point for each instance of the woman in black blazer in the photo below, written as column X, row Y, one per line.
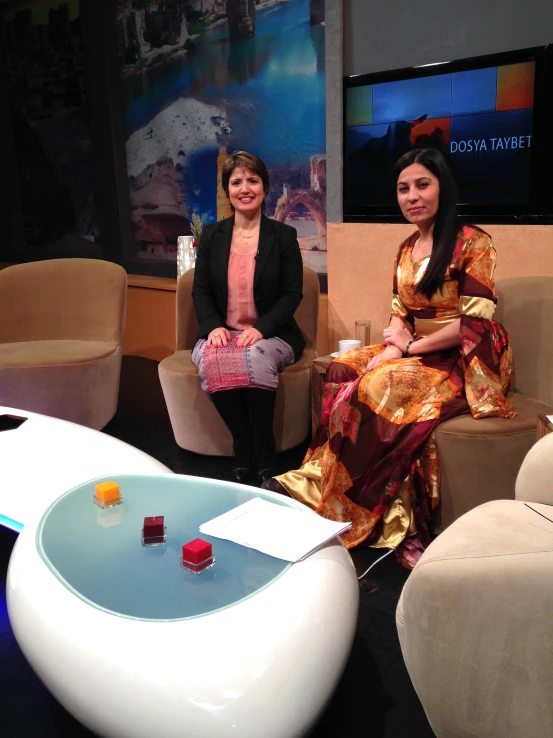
column 247, row 285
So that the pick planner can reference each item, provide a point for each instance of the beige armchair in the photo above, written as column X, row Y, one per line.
column 474, row 618
column 480, row 459
column 196, row 423
column 61, row 338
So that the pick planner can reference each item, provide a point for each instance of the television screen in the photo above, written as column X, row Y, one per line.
column 482, row 115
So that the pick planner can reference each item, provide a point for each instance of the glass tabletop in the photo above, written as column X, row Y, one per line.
column 98, row 553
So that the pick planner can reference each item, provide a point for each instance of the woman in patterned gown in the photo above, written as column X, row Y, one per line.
column 373, row 460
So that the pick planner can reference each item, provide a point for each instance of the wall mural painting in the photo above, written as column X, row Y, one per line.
column 201, row 78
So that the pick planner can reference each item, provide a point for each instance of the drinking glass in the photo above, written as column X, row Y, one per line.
column 363, row 332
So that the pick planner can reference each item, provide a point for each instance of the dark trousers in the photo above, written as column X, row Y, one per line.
column 248, row 413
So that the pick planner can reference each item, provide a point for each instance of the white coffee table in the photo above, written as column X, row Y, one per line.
column 134, row 645
column 45, row 457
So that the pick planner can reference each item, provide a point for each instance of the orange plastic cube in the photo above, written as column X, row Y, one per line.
column 107, row 493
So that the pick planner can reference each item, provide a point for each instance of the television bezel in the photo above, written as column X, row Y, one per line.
column 539, row 208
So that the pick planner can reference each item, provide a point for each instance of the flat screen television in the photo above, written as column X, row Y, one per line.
column 491, row 115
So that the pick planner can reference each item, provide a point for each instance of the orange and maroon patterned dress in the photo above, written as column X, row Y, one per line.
column 373, row 460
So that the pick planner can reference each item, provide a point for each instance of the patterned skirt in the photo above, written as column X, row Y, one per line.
column 231, row 367
column 373, row 460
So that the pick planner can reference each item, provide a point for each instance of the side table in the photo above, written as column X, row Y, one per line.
column 545, row 425
column 318, row 371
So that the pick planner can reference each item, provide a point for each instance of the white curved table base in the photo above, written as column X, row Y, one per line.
column 263, row 668
column 46, row 456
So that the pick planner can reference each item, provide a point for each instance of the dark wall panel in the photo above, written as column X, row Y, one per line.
column 393, row 34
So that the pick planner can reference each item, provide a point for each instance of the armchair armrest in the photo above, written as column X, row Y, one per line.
column 535, row 479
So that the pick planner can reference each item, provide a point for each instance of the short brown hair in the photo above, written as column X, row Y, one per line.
column 247, row 161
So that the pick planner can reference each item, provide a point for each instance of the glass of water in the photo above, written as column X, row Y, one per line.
column 363, row 332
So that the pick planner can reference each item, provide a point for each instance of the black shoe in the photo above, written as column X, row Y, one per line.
column 265, row 460
column 273, row 485
column 243, row 474
column 243, row 470
column 263, row 475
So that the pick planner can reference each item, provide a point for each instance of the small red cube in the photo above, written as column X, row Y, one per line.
column 154, row 529
column 197, row 555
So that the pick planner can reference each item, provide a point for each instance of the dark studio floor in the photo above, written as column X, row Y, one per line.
column 374, row 698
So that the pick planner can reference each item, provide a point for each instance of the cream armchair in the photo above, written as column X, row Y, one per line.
column 480, row 459
column 474, row 618
column 197, row 425
column 61, row 338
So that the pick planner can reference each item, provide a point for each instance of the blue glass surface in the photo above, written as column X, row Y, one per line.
column 98, row 554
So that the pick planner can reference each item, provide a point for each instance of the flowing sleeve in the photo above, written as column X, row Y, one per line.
column 485, row 347
column 398, row 308
column 476, row 269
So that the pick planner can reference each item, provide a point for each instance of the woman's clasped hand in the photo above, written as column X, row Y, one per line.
column 249, row 337
column 396, row 340
column 391, row 352
column 218, row 337
column 397, row 337
column 221, row 337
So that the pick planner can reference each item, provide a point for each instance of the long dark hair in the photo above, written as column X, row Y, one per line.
column 446, row 225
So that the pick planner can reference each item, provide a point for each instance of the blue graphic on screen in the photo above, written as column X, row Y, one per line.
column 474, row 91
column 490, row 153
column 481, row 119
column 411, row 98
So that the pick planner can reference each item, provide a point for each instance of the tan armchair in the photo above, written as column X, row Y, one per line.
column 474, row 618
column 196, row 423
column 480, row 459
column 61, row 338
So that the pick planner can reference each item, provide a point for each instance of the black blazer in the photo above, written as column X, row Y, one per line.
column 277, row 284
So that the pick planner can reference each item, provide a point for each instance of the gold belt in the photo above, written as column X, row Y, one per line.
column 427, row 326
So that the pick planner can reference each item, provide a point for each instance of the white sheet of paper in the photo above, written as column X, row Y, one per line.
column 550, row 418
column 283, row 532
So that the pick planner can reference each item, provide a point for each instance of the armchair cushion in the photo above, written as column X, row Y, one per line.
column 527, row 411
column 475, row 628
column 55, row 353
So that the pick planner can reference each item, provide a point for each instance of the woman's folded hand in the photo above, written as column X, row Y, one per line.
column 390, row 352
column 249, row 337
column 398, row 337
column 218, row 337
